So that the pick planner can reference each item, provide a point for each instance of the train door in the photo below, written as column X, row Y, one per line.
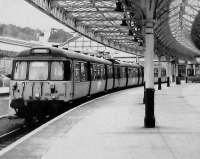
column 109, row 77
column 59, row 85
column 81, row 80
column 116, row 76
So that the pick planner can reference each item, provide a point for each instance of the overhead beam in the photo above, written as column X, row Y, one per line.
column 61, row 16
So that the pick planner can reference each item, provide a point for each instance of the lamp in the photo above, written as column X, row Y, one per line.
column 124, row 23
column 119, row 7
column 130, row 33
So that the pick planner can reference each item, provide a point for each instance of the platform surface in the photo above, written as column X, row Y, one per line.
column 112, row 128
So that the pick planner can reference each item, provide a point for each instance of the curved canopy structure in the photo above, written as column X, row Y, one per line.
column 120, row 23
column 173, row 30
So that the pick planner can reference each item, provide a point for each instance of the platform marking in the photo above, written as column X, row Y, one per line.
column 11, row 146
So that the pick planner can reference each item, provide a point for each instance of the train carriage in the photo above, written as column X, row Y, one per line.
column 44, row 79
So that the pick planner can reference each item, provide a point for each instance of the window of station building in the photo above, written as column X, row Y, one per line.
column 38, row 71
column 163, row 72
column 57, row 71
column 20, row 70
column 156, row 72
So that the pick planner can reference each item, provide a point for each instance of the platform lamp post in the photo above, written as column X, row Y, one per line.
column 149, row 120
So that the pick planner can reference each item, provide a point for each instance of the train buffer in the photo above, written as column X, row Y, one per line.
column 111, row 127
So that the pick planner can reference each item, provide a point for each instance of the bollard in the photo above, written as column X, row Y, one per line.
column 159, row 83
column 178, row 80
column 168, row 82
column 144, row 94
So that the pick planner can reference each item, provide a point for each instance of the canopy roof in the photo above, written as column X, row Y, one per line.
column 120, row 23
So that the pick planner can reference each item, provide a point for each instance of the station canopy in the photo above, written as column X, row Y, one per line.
column 120, row 23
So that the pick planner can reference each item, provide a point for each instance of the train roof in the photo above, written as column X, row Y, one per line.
column 58, row 53
column 121, row 63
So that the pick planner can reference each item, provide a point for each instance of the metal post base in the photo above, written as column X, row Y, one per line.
column 186, row 80
column 149, row 120
column 159, row 83
column 144, row 94
column 168, row 82
column 173, row 78
column 178, row 81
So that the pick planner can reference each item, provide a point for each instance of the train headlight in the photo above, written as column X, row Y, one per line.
column 53, row 97
column 37, row 95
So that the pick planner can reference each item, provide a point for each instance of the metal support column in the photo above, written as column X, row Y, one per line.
column 186, row 74
column 173, row 72
column 178, row 81
column 159, row 73
column 149, row 120
column 168, row 73
column 194, row 68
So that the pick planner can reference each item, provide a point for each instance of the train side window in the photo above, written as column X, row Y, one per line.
column 118, row 72
column 77, row 71
column 103, row 72
column 20, row 70
column 84, row 72
column 68, row 72
column 109, row 75
column 123, row 72
column 156, row 72
column 93, row 71
column 111, row 72
column 135, row 72
column 57, row 71
column 98, row 71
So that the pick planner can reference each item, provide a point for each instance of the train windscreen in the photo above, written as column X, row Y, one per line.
column 38, row 71
column 20, row 70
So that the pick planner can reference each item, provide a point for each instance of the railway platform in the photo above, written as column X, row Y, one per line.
column 111, row 127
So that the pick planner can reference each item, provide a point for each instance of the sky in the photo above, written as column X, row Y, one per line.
column 21, row 13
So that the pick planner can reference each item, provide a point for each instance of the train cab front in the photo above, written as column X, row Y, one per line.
column 38, row 87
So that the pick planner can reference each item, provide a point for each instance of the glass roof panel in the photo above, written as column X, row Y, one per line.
column 181, row 19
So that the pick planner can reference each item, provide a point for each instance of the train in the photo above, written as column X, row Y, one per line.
column 45, row 79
